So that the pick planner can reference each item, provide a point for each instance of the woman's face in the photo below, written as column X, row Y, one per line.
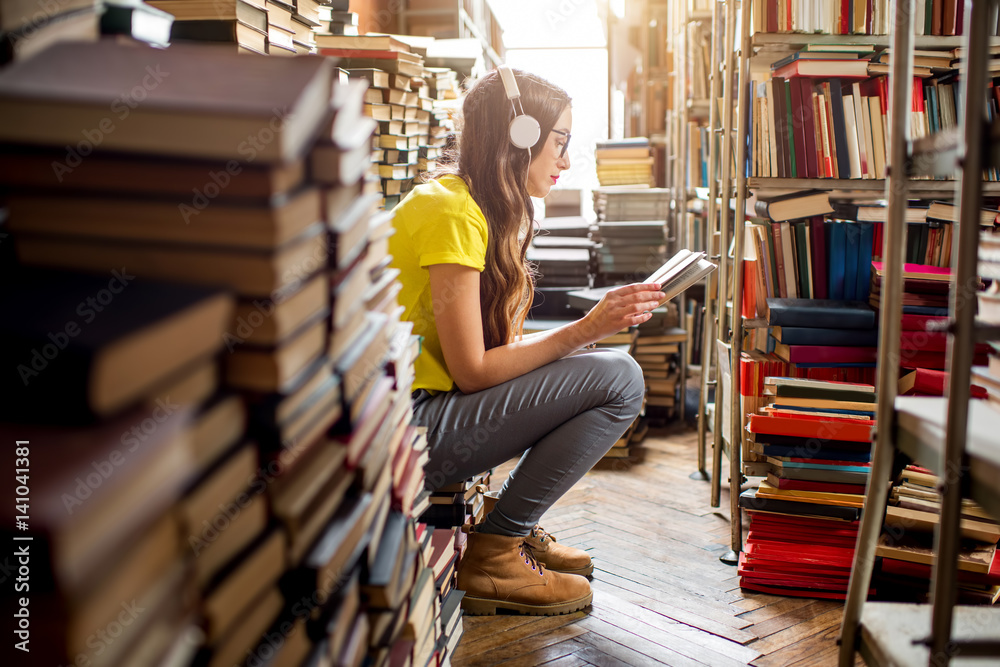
column 550, row 160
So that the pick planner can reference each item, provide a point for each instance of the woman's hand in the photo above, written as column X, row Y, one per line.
column 621, row 308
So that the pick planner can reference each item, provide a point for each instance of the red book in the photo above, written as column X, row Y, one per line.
column 928, row 382
column 845, row 69
column 772, row 16
column 803, row 166
column 826, row 428
column 931, row 341
column 826, row 354
column 806, row 485
column 808, row 123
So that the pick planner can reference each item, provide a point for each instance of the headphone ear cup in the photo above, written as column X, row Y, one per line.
column 524, row 131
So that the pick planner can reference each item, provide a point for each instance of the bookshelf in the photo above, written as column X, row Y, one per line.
column 455, row 19
column 953, row 436
column 748, row 55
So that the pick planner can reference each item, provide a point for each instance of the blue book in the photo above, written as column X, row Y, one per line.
column 865, row 260
column 836, row 249
column 852, row 236
column 925, row 310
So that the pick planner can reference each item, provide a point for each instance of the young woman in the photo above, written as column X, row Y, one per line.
column 488, row 393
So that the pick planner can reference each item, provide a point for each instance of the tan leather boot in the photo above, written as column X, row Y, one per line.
column 499, row 572
column 551, row 554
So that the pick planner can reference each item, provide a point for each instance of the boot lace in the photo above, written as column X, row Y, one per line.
column 529, row 558
column 542, row 534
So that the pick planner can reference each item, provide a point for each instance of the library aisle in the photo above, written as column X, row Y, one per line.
column 661, row 595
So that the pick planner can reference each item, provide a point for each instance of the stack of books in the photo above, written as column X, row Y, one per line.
column 271, row 494
column 27, row 28
column 457, row 504
column 636, row 203
column 561, row 264
column 439, row 554
column 390, row 584
column 906, row 544
column 628, row 250
column 551, row 294
column 817, row 333
column 113, row 414
column 444, row 91
column 925, row 299
column 657, row 350
column 335, row 18
column 624, row 162
column 815, row 438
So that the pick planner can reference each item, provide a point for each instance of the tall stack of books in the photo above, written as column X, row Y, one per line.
column 815, row 437
column 906, row 543
column 657, row 349
column 279, row 484
column 107, row 411
column 403, row 115
column 625, row 162
column 27, row 28
column 631, row 232
column 444, row 92
column 566, row 233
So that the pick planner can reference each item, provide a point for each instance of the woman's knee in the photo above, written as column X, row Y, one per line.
column 625, row 377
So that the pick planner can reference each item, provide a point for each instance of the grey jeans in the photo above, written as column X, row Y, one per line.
column 562, row 418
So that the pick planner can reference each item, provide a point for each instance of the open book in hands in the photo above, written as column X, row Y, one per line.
column 680, row 272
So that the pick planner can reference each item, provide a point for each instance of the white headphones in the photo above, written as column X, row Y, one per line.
column 523, row 130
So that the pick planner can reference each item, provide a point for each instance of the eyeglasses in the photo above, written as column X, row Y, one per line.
column 562, row 151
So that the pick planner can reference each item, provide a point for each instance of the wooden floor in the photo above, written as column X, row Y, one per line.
column 661, row 595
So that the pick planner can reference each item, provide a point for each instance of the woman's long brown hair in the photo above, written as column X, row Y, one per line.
column 496, row 172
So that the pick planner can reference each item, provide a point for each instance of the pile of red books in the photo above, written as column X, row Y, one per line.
column 815, row 437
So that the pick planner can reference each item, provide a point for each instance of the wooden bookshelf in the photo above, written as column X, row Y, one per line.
column 951, row 435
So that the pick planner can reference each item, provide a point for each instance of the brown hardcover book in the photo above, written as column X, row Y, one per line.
column 93, row 488
column 182, row 110
column 199, row 182
column 218, row 222
column 204, row 10
column 249, row 273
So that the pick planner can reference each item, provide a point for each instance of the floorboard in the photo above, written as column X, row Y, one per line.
column 661, row 595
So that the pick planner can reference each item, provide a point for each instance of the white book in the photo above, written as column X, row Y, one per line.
column 878, row 140
column 850, row 123
column 861, row 130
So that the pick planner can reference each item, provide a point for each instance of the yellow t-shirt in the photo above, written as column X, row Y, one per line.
column 437, row 223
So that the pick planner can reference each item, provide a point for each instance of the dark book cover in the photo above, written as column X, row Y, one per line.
column 818, row 249
column 780, row 126
column 867, row 234
column 824, row 453
column 852, row 236
column 802, row 255
column 779, row 260
column 827, row 313
column 798, row 127
column 808, row 121
column 839, row 128
column 819, row 475
column 793, row 161
column 750, row 501
column 837, row 250
column 822, row 336
column 76, row 341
